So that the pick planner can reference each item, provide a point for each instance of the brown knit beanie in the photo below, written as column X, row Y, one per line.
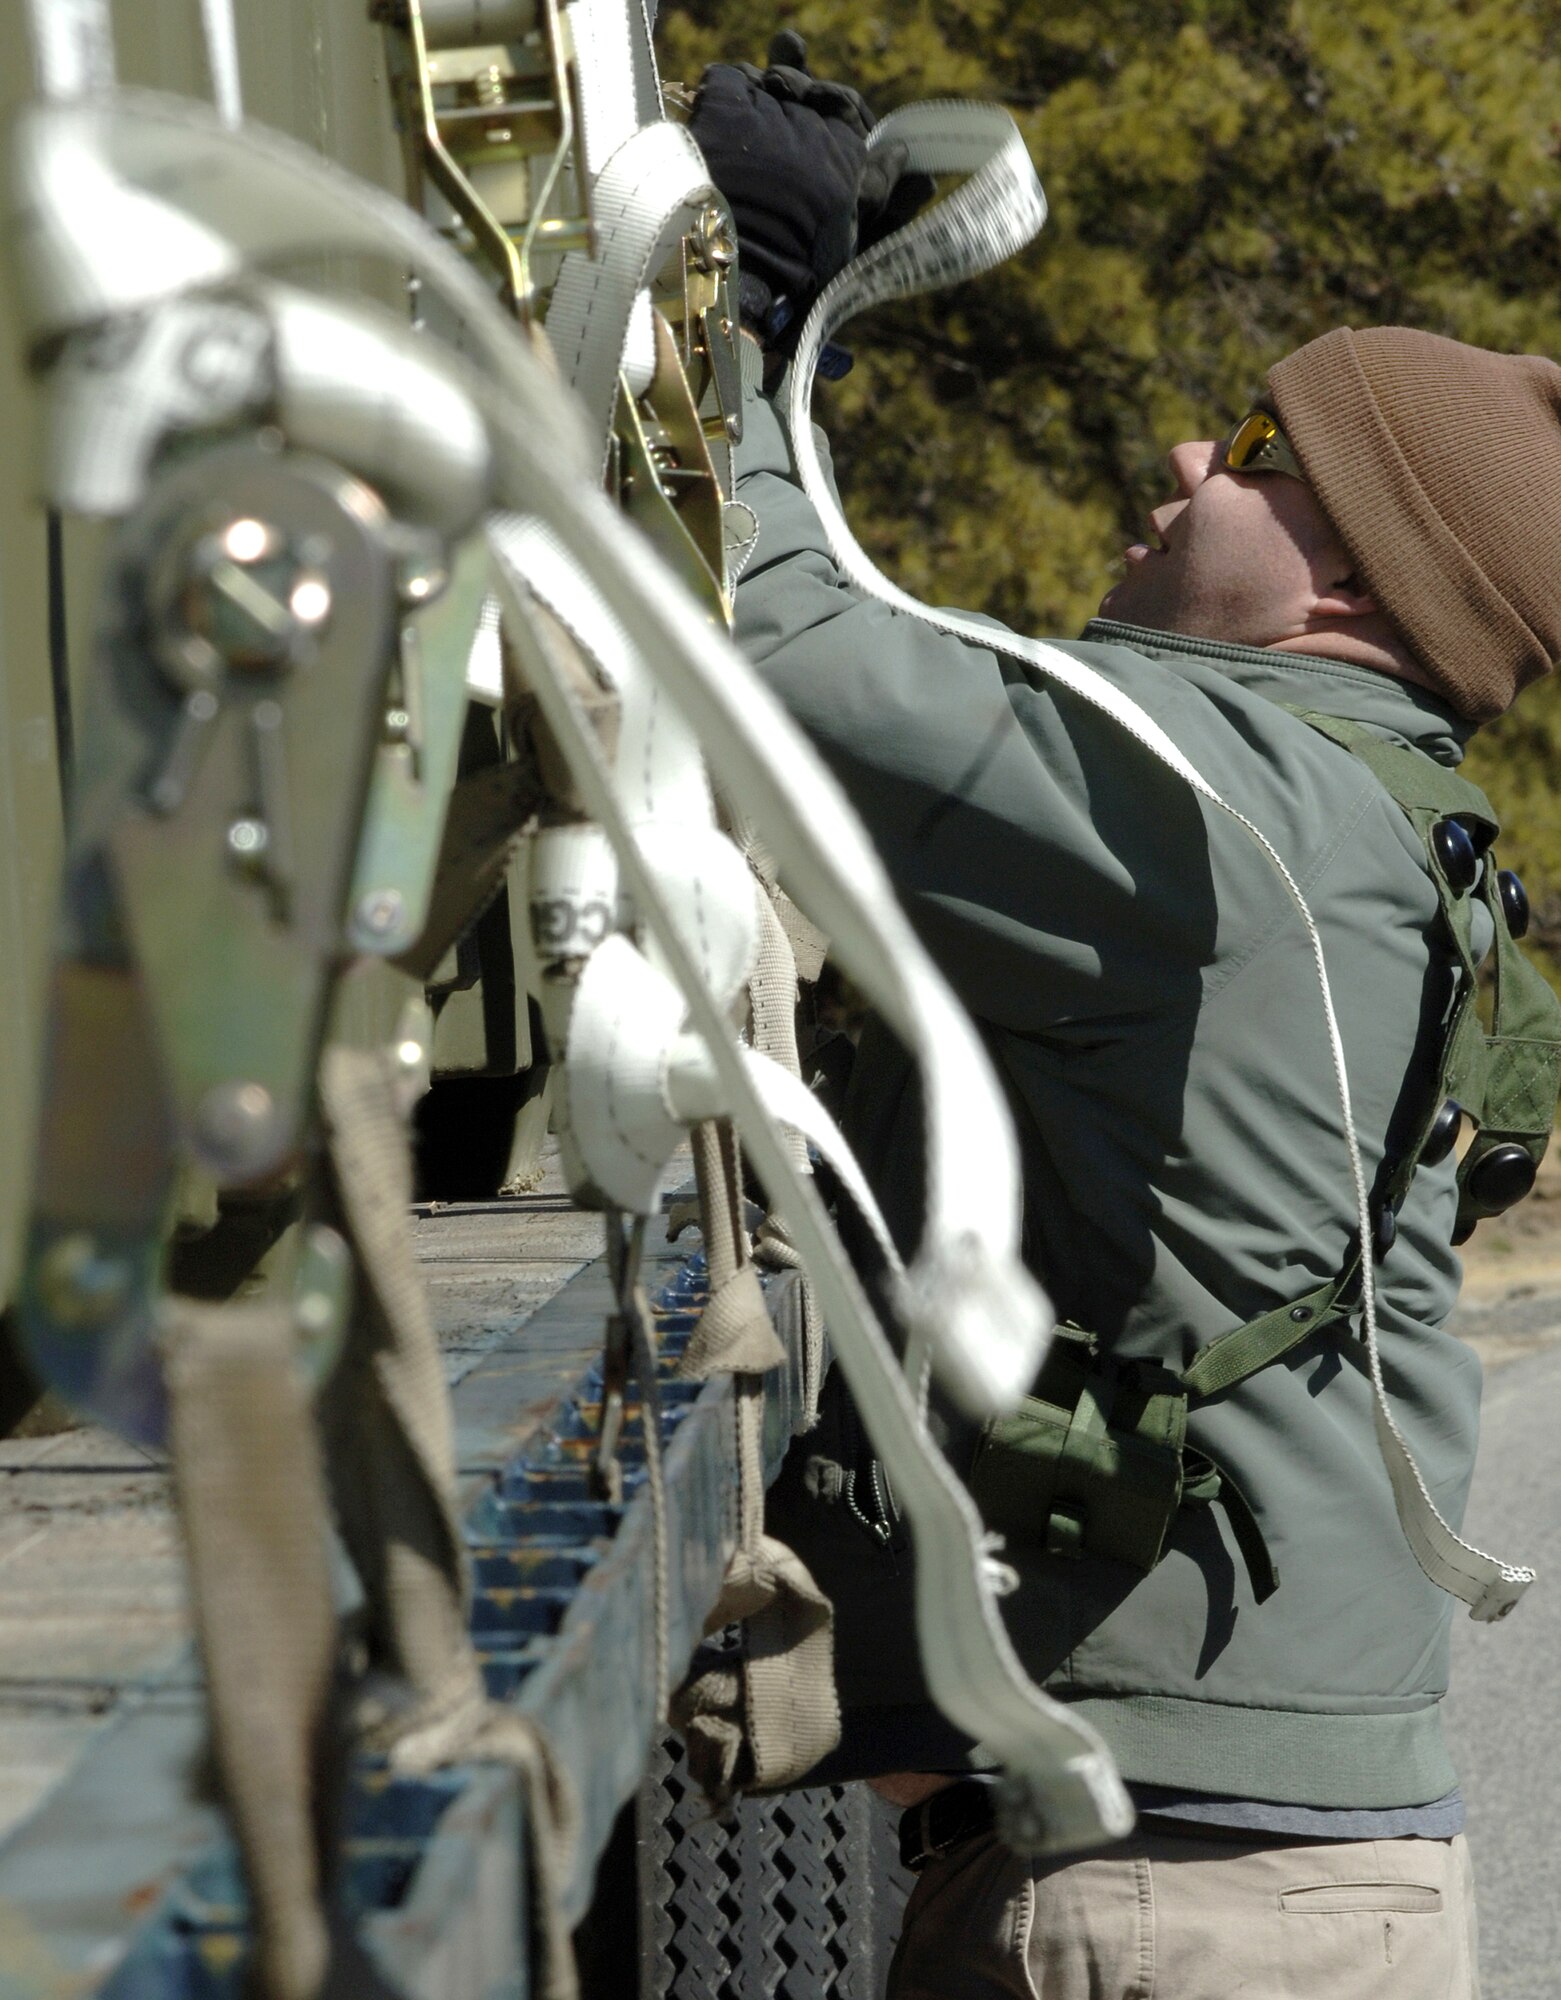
column 1439, row 466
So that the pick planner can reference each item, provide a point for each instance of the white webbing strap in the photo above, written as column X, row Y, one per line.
column 197, row 203
column 73, row 50
column 275, row 199
column 990, row 215
column 604, row 74
column 73, row 46
column 644, row 199
column 985, row 1316
column 221, row 39
column 972, row 1670
column 788, row 1098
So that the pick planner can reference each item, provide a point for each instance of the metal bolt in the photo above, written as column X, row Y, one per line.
column 248, row 840
column 309, row 600
column 242, row 597
column 380, row 912
column 713, row 243
column 78, row 1284
column 233, row 1124
column 315, row 1312
column 423, row 572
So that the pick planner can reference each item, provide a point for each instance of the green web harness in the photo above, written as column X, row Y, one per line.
column 1097, row 1462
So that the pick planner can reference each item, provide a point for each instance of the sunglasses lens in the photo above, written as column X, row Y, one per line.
column 1248, row 439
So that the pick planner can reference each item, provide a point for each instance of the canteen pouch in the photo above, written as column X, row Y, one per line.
column 1097, row 1464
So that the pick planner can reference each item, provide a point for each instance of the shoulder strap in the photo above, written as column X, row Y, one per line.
column 1427, row 793
column 1416, row 782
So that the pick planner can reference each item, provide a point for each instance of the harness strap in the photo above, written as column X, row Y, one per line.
column 1427, row 792
column 1208, row 1481
column 1245, row 1349
column 1510, row 1077
column 1414, row 781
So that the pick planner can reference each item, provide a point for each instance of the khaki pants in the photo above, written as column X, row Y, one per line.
column 1166, row 1917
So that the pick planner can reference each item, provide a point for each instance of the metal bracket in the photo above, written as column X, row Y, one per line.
column 490, row 124
column 246, row 645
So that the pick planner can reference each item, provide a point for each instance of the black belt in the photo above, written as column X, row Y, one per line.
column 950, row 1817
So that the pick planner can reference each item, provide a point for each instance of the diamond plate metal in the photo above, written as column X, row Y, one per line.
column 791, row 1898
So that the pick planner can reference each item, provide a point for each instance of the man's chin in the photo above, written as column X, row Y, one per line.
column 1145, row 601
column 1124, row 605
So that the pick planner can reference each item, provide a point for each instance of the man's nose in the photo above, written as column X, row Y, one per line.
column 1192, row 463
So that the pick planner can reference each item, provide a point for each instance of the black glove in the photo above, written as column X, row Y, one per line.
column 789, row 153
column 886, row 196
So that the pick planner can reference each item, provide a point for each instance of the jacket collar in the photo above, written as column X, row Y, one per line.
column 1395, row 709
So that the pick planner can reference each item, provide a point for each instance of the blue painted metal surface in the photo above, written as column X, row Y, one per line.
column 563, row 1615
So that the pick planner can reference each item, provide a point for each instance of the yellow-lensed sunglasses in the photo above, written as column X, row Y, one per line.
column 1257, row 444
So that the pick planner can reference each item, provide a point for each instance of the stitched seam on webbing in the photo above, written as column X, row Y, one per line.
column 1524, row 1101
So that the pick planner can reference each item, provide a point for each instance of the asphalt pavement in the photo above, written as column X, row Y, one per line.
column 1504, row 1712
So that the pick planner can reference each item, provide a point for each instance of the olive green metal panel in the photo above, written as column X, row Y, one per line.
column 30, row 823
column 29, row 815
column 311, row 69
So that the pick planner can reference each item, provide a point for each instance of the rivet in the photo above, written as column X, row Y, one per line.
column 248, row 840
column 380, row 912
column 233, row 1123
column 78, row 1284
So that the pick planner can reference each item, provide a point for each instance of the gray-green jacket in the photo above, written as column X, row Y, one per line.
column 1147, row 992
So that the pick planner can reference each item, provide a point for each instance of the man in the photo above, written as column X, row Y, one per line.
column 1367, row 562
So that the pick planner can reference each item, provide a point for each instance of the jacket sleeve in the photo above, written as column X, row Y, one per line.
column 1058, row 875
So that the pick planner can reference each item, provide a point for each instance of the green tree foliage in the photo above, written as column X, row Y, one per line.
column 1227, row 179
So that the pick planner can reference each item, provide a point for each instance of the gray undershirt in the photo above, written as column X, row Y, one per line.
column 1440, row 1820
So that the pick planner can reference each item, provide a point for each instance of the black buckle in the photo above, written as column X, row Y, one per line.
column 956, row 1814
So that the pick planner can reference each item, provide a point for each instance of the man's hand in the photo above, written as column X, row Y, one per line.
column 789, row 153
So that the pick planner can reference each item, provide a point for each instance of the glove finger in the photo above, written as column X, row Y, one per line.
column 725, row 79
column 832, row 249
column 791, row 86
column 887, row 196
column 788, row 51
column 829, row 100
column 909, row 195
column 880, row 170
column 728, row 87
column 850, row 107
